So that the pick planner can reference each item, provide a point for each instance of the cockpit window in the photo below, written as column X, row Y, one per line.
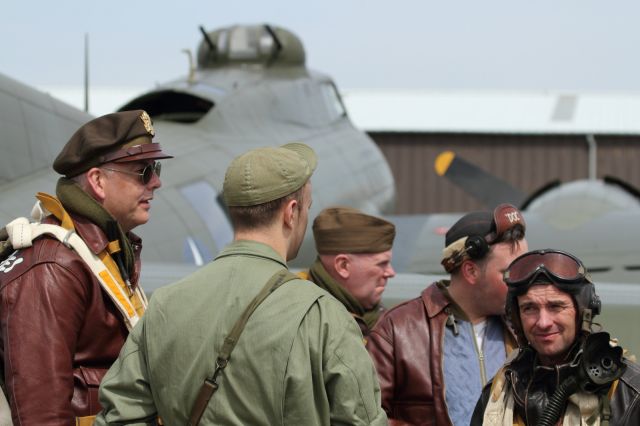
column 332, row 100
column 173, row 106
column 306, row 102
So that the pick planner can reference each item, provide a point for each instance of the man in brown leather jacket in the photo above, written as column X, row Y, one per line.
column 61, row 324
column 354, row 261
column 434, row 353
column 566, row 371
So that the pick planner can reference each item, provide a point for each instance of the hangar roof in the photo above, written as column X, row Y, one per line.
column 438, row 111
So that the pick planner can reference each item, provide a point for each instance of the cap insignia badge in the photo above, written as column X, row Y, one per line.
column 146, row 120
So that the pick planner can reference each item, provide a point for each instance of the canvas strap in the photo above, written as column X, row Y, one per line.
column 210, row 386
column 22, row 233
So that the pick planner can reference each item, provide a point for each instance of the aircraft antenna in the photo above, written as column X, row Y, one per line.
column 86, row 72
column 277, row 42
column 192, row 70
column 212, row 46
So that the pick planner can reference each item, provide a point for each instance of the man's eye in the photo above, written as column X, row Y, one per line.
column 556, row 308
column 529, row 310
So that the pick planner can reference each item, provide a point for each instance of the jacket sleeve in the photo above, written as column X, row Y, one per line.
column 381, row 348
column 351, row 377
column 330, row 360
column 41, row 316
column 125, row 393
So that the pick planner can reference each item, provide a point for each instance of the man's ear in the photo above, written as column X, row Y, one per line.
column 95, row 183
column 290, row 213
column 342, row 265
column 470, row 271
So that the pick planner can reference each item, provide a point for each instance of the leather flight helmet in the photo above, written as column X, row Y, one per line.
column 560, row 269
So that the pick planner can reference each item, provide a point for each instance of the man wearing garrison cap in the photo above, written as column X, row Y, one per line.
column 354, row 261
column 296, row 359
column 434, row 353
column 69, row 289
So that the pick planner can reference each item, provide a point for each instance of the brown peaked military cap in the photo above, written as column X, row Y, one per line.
column 266, row 174
column 118, row 137
column 347, row 230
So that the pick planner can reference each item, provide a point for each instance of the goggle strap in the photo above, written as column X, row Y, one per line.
column 587, row 320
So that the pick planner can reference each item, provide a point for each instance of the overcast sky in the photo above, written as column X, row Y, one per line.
column 578, row 45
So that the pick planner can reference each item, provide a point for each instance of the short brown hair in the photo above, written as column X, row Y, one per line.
column 260, row 215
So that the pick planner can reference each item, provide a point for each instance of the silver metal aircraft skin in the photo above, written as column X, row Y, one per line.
column 251, row 88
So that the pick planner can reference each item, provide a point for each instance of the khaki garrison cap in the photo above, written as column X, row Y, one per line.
column 346, row 230
column 119, row 137
column 266, row 174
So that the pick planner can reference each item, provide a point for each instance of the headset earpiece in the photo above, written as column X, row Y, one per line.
column 476, row 247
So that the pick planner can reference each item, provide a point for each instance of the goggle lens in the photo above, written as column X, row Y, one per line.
column 556, row 264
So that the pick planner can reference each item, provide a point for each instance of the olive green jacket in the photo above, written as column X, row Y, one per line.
column 299, row 361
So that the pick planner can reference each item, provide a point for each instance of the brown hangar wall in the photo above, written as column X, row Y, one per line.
column 526, row 161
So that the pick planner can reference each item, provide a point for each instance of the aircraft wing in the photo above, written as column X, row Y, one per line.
column 33, row 128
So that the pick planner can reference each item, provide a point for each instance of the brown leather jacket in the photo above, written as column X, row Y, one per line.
column 59, row 332
column 625, row 403
column 406, row 347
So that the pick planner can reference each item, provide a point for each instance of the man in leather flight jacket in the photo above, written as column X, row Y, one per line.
column 564, row 372
column 61, row 324
column 434, row 353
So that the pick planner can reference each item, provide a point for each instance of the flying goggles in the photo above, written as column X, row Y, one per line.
column 505, row 217
column 558, row 266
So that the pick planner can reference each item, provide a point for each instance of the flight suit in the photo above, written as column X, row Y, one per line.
column 299, row 360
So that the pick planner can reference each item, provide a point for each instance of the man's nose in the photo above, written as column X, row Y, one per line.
column 155, row 181
column 390, row 273
column 545, row 318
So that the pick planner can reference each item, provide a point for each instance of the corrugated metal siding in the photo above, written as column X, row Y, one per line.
column 619, row 156
column 526, row 161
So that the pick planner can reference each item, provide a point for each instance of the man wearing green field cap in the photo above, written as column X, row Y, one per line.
column 297, row 357
column 354, row 261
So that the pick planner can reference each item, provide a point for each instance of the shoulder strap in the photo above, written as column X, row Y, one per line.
column 210, row 386
column 22, row 233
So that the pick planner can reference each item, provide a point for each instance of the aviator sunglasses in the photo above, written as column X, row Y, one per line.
column 146, row 174
column 558, row 266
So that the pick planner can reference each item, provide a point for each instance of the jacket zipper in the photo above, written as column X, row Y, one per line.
column 483, row 373
column 444, row 386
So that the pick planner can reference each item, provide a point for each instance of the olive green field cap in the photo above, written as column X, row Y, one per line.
column 118, row 137
column 347, row 230
column 266, row 174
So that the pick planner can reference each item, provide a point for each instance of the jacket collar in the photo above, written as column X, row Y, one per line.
column 434, row 299
column 93, row 236
column 252, row 248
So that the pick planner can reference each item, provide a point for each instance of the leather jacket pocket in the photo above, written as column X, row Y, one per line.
column 85, row 395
